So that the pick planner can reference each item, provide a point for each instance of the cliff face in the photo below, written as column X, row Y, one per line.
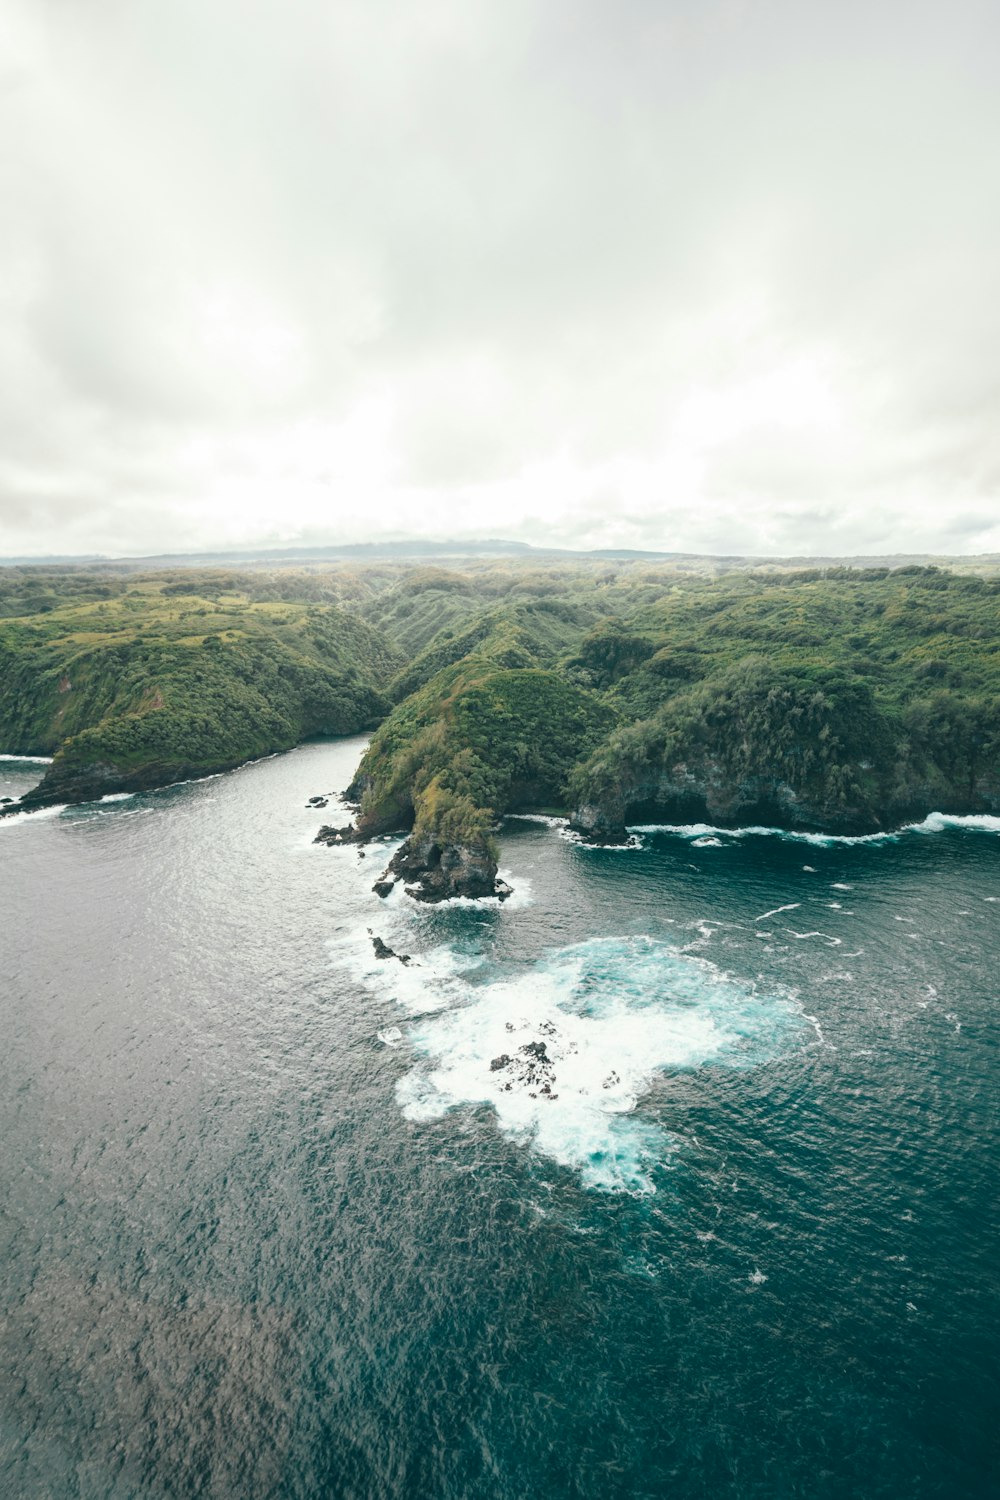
column 434, row 872
column 705, row 791
column 790, row 745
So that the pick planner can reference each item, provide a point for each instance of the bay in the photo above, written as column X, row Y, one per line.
column 274, row 1225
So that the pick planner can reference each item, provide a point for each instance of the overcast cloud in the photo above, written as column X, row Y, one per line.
column 714, row 275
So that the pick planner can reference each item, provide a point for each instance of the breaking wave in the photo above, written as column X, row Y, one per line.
column 935, row 822
column 11, row 818
column 565, row 1050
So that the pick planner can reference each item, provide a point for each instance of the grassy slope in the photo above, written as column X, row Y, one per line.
column 159, row 679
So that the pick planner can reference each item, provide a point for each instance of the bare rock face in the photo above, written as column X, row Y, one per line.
column 435, row 872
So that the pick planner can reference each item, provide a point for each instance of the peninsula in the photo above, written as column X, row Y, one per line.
column 844, row 699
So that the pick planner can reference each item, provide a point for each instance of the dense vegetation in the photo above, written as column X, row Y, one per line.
column 830, row 698
column 842, row 698
column 139, row 683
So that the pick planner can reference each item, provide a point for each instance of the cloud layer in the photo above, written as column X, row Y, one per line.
column 712, row 276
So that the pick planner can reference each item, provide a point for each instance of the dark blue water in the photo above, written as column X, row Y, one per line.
column 272, row 1226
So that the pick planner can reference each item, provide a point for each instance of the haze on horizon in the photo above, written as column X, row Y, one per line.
column 700, row 275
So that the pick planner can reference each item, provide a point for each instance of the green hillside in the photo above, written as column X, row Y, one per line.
column 157, row 681
column 839, row 698
column 845, row 699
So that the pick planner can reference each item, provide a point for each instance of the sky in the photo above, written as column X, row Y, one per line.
column 698, row 275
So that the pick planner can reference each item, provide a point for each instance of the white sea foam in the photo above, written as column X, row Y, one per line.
column 564, row 1051
column 41, row 812
column 431, row 980
column 686, row 830
column 633, row 841
column 935, row 822
column 117, row 796
column 29, row 760
column 976, row 822
column 549, row 819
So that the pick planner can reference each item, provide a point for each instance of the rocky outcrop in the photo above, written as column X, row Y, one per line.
column 434, row 872
column 346, row 834
column 382, row 950
column 600, row 824
column 529, row 1068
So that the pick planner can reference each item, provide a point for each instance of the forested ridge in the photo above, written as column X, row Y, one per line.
column 839, row 698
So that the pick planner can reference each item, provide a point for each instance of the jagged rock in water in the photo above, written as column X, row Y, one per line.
column 531, row 1068
column 384, row 888
column 435, row 872
column 382, row 950
column 330, row 835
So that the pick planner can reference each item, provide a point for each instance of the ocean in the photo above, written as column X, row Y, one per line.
column 675, row 1175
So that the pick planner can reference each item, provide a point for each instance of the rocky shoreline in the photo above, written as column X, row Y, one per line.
column 705, row 794
column 73, row 786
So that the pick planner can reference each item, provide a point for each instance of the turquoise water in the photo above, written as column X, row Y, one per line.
column 272, row 1224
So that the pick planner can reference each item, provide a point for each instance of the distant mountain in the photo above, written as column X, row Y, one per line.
column 50, row 560
column 417, row 548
